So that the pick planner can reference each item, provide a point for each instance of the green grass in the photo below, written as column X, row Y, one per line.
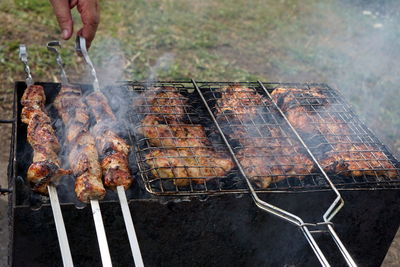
column 226, row 40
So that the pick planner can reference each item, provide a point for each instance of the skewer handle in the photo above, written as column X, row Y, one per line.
column 133, row 241
column 23, row 56
column 60, row 226
column 52, row 46
column 101, row 233
column 80, row 47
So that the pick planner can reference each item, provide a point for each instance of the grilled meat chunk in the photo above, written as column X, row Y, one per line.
column 183, row 166
column 72, row 111
column 112, row 149
column 239, row 103
column 358, row 160
column 83, row 157
column 305, row 111
column 40, row 135
column 177, row 135
column 34, row 97
column 164, row 102
column 99, row 106
column 269, row 165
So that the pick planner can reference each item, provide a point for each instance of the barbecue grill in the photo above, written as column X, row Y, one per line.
column 176, row 226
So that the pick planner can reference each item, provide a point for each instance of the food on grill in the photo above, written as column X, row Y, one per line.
column 83, row 157
column 357, row 160
column 303, row 110
column 238, row 103
column 311, row 112
column 273, row 164
column 41, row 136
column 166, row 102
column 112, row 149
column 196, row 164
column 174, row 135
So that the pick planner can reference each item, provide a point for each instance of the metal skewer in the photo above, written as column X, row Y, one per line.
column 94, row 203
column 80, row 46
column 54, row 201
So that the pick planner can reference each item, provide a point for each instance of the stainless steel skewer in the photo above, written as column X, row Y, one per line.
column 80, row 46
column 55, row 203
column 94, row 203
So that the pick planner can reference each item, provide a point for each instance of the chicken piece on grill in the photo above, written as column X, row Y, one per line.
column 197, row 165
column 177, row 135
column 268, row 165
column 83, row 157
column 72, row 111
column 306, row 111
column 39, row 131
column 114, row 152
column 261, row 136
column 41, row 173
column 34, row 97
column 40, row 135
column 99, row 106
column 165, row 102
column 239, row 103
column 358, row 160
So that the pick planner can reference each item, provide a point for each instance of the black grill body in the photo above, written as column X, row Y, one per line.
column 221, row 230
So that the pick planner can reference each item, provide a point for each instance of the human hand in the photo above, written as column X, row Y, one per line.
column 90, row 16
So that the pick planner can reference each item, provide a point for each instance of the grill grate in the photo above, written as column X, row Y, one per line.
column 258, row 124
column 334, row 131
column 180, row 151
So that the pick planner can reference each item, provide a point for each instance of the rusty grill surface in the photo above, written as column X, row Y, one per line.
column 258, row 123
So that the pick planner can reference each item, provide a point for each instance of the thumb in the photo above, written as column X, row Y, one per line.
column 63, row 13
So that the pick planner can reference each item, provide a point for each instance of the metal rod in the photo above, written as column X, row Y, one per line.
column 80, row 46
column 337, row 204
column 133, row 241
column 101, row 233
column 23, row 56
column 260, row 203
column 60, row 227
column 52, row 46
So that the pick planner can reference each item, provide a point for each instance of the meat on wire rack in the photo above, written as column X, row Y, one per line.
column 266, row 126
column 344, row 146
column 175, row 152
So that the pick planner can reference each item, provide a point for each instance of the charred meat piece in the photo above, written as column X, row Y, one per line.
column 197, row 165
column 99, row 106
column 239, row 103
column 164, row 102
column 72, row 111
column 83, row 157
column 113, row 150
column 269, row 165
column 34, row 97
column 357, row 160
column 40, row 135
column 174, row 136
column 305, row 110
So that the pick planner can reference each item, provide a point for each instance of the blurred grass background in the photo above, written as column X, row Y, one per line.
column 351, row 45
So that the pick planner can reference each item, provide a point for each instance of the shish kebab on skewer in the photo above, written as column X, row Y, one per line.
column 114, row 151
column 83, row 157
column 46, row 165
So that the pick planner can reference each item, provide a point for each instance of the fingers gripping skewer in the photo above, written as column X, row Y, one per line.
column 55, row 204
column 81, row 50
